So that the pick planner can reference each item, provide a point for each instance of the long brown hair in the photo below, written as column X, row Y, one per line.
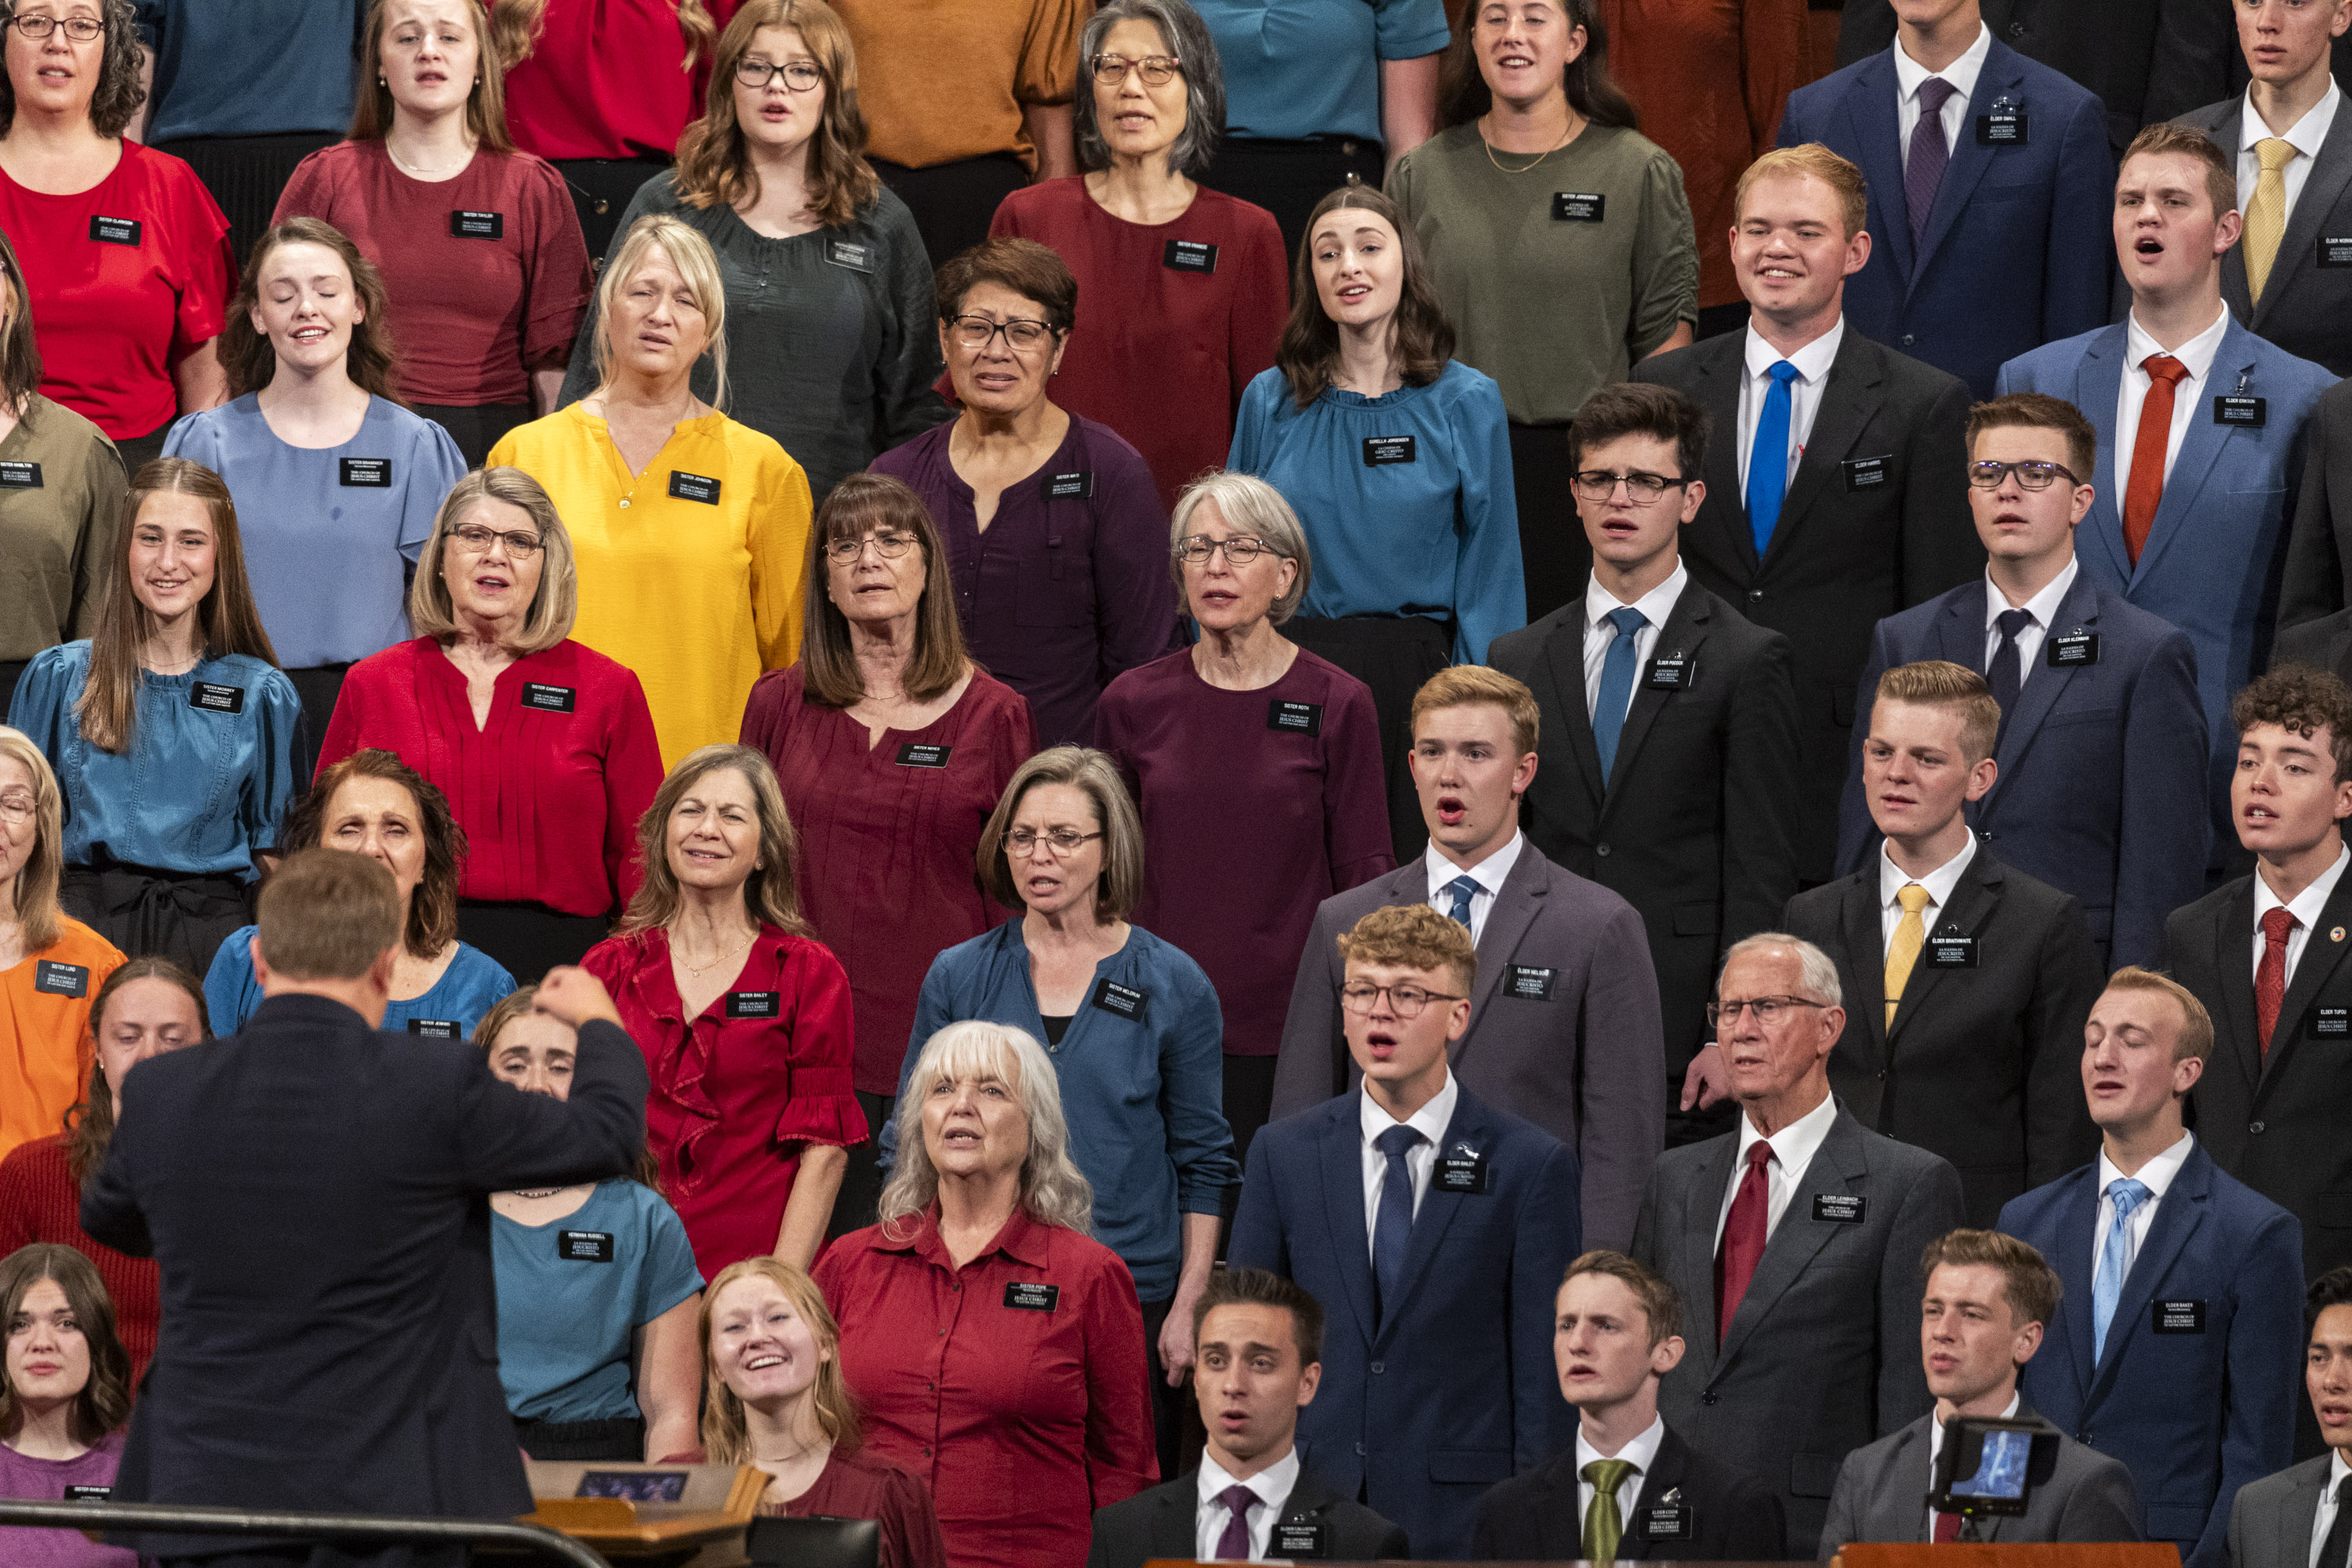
column 38, row 915
column 725, row 1435
column 89, row 1126
column 486, row 105
column 20, row 357
column 372, row 362
column 772, row 896
column 226, row 621
column 828, row 666
column 514, row 30
column 118, row 94
column 432, row 907
column 104, row 1402
column 513, row 1006
column 1464, row 95
column 1421, row 333
column 714, row 166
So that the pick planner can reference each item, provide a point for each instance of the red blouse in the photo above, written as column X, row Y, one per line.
column 40, row 1201
column 888, row 835
column 1025, row 1418
column 549, row 790
column 862, row 1485
column 762, row 1070
column 607, row 79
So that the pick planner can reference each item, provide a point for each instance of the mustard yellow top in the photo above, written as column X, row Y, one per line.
column 690, row 571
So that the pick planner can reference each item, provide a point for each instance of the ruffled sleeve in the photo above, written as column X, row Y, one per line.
column 822, row 1105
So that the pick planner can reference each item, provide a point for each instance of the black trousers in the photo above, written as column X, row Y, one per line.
column 1168, row 1405
column 953, row 203
column 528, row 939
column 318, row 685
column 12, row 671
column 476, row 429
column 1394, row 655
column 140, row 450
column 621, row 1438
column 1287, row 178
column 858, row 1203
column 1553, row 550
column 246, row 174
column 602, row 189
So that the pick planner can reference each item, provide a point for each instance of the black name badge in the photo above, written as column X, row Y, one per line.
column 1840, row 1208
column 755, row 1004
column 1381, row 450
column 88, row 1494
column 849, row 253
column 2327, row 1024
column 367, row 473
column 541, row 698
column 1527, row 984
column 21, row 477
column 2004, row 128
column 436, row 1028
column 2335, row 250
column 114, row 231
column 463, row 224
column 1293, row 718
column 2177, row 1317
column 1670, row 672
column 60, row 979
column 694, row 487
column 1189, row 255
column 917, row 754
column 2236, row 408
column 1029, row 1296
column 1951, row 950
column 1578, row 206
column 1460, row 1168
column 1867, row 473
column 1303, row 1539
column 584, row 1246
column 1079, row 486
column 1668, row 1521
column 210, row 696
column 1123, row 1001
column 2071, row 652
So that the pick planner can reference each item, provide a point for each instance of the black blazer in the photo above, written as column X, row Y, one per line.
column 1984, row 1065
column 313, row 1175
column 1734, row 1517
column 1876, row 521
column 1695, row 825
column 2318, row 576
column 1161, row 1523
column 2276, row 1121
column 2306, row 303
column 2326, row 643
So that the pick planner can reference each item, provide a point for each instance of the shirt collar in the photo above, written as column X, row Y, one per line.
column 2157, row 1175
column 1272, row 1484
column 2309, row 904
column 1642, row 1451
column 2198, row 353
column 1022, row 1239
column 1812, row 361
column 2338, row 1471
column 1961, row 73
column 1490, row 873
column 2306, row 135
column 2042, row 607
column 1794, row 1145
column 1655, row 605
column 1431, row 1120
column 1940, row 882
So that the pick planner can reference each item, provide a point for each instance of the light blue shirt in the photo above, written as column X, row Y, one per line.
column 472, row 984
column 1296, row 68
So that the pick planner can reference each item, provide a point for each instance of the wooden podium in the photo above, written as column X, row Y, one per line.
column 648, row 1516
column 1993, row 1554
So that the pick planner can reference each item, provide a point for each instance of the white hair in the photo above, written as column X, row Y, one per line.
column 1052, row 1189
column 1817, row 972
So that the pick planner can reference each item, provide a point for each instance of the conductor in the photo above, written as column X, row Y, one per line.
column 317, row 1193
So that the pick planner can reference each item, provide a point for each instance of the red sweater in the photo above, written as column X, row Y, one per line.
column 39, row 1201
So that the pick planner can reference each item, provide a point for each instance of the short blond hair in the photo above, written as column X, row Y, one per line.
column 328, row 914
column 1812, row 161
column 1467, row 685
column 1940, row 683
column 1095, row 776
column 38, row 914
column 695, row 262
column 2195, row 1036
column 2166, row 138
column 432, row 613
column 1412, row 936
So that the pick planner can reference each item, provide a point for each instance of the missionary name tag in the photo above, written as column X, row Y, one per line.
column 1122, row 1001
column 60, row 979
column 207, row 697
column 1840, row 1208
column 88, row 1494
column 114, row 231
column 1189, row 255
column 694, row 487
column 1579, row 207
column 849, row 253
column 1867, row 473
column 20, row 476
column 2004, row 128
column 1381, row 450
column 1668, row 1521
column 541, row 698
column 923, row 755
column 1461, row 1169
column 1079, row 486
column 755, row 1004
column 463, row 224
column 584, row 1246
column 1670, row 672
column 366, row 473
column 1029, row 1296
column 2236, row 408
column 1951, row 950
column 2177, row 1317
column 436, row 1028
column 1293, row 718
column 2327, row 1024
column 1304, row 1539
column 2335, row 250
column 2071, row 652
column 1527, row 984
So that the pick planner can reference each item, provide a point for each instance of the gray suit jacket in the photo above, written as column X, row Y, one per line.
column 1882, row 1495
column 2270, row 1523
column 2306, row 303
column 1563, row 1031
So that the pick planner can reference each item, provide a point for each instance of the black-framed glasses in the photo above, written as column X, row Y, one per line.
column 2032, row 475
column 974, row 331
column 889, row 546
column 1404, row 1001
column 800, row 75
column 476, row 540
column 81, row 30
column 1060, row 840
column 1766, row 1009
column 1600, row 484
column 1196, row 549
column 1157, row 70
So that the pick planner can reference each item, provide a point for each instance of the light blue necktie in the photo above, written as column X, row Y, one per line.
column 1393, row 1228
column 1616, row 686
column 1768, row 457
column 2107, row 1284
column 1463, row 890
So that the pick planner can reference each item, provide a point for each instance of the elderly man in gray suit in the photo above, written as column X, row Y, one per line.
column 1564, row 1025
column 1986, row 1300
column 2302, row 1517
column 1801, row 1230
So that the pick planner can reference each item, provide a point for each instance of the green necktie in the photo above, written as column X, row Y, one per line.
column 1603, row 1525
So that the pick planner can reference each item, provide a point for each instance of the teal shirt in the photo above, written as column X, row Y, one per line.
column 472, row 984
column 1296, row 68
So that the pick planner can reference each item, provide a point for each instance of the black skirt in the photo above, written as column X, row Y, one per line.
column 1394, row 655
column 602, row 189
column 622, row 1438
column 478, row 428
column 1287, row 178
column 952, row 204
column 528, row 939
column 178, row 915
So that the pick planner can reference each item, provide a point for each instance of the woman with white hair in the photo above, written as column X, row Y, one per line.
column 996, row 1350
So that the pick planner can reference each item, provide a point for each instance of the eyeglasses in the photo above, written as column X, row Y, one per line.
column 1765, row 1009
column 18, row 809
column 81, row 30
column 1987, row 476
column 1196, row 550
column 889, row 546
column 1158, row 69
column 799, row 75
column 475, row 540
column 974, row 331
column 1061, row 840
column 1404, row 1001
column 1599, row 484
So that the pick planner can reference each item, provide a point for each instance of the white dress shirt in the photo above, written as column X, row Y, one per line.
column 1813, row 362
column 1640, row 1453
column 1655, row 606
column 1936, row 1449
column 1961, row 73
column 1273, row 1486
column 1793, row 1148
column 2323, row 1519
column 1489, row 873
column 2305, row 136
column 2157, row 1177
column 2187, row 394
column 2042, row 607
column 1939, row 883
column 1430, row 1121
column 2307, row 908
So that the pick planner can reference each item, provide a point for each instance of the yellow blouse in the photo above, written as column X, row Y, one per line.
column 690, row 572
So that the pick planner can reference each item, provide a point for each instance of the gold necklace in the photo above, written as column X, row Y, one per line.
column 1565, row 138
column 698, row 971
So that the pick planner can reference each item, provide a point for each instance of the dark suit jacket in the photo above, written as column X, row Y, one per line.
column 2102, row 785
column 2305, row 309
column 2194, row 1414
column 1824, row 1353
column 1535, row 1518
column 1882, row 1496
column 1563, row 1024
column 1695, row 825
column 317, row 1195
column 2319, row 541
column 1842, row 554
column 2276, row 1121
column 1450, row 1389
column 1983, row 1065
column 2326, row 643
column 1161, row 1523
column 2270, row 1525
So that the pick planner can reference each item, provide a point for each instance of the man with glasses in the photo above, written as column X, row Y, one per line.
column 2101, row 752
column 1796, row 1241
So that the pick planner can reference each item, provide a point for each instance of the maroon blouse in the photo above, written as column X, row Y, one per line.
column 863, row 1484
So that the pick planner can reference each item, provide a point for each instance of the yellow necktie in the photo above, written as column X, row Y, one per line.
column 1910, row 936
column 2266, row 214
column 1604, row 1527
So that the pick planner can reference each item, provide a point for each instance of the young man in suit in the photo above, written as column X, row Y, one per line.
column 2302, row 1517
column 2201, row 429
column 2174, row 1347
column 1834, row 489
column 2100, row 790
column 1440, row 1223
column 1986, row 1300
column 1669, row 737
column 1257, row 1354
column 1564, row 1017
column 2265, row 954
column 1631, row 1488
column 1801, row 1232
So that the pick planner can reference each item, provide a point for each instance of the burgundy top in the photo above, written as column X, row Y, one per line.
column 1060, row 593
column 888, row 833
column 862, row 1485
column 1257, row 805
column 40, row 1201
column 549, row 790
column 762, row 1070
column 1026, row 1416
column 607, row 78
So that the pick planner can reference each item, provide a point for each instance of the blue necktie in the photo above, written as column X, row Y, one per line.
column 1394, row 1228
column 1616, row 686
column 2107, row 1284
column 1463, row 889
column 1768, row 457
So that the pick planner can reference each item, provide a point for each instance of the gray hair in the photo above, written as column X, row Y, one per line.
column 1052, row 1189
column 1188, row 39
column 1816, row 971
column 1249, row 505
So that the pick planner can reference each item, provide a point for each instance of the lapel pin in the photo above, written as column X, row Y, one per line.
column 2336, row 935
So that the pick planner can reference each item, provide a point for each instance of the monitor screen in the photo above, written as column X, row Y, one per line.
column 2001, row 1469
column 634, row 1486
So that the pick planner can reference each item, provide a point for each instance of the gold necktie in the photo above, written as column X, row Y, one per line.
column 1603, row 1527
column 1910, row 936
column 2266, row 214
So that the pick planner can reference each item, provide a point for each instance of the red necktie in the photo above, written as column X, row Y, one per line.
column 2146, row 489
column 1743, row 1239
column 2270, row 975
column 1948, row 1527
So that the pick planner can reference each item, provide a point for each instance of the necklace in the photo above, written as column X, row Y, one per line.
column 440, row 173
column 157, row 667
column 1565, row 138
column 802, row 1452
column 700, row 970
column 534, row 1193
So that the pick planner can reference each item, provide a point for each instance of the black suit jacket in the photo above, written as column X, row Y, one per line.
column 2305, row 307
column 2276, row 1120
column 1734, row 1517
column 1695, row 825
column 2326, row 643
column 2318, row 577
column 317, row 1195
column 1161, row 1523
column 1984, row 1064
column 1854, row 544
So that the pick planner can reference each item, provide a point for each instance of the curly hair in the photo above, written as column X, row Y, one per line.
column 2306, row 700
column 118, row 95
column 1054, row 1191
column 432, row 907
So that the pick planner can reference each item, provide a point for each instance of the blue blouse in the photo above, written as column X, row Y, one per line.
column 1142, row 1078
column 209, row 771
column 330, row 532
column 472, row 984
column 1406, row 499
column 1296, row 68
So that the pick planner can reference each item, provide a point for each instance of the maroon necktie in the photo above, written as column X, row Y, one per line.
column 1234, row 1545
column 2270, row 976
column 1743, row 1239
column 1948, row 1527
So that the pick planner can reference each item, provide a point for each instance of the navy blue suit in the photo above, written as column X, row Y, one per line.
column 2194, row 1413
column 1452, row 1391
column 2017, row 248
column 2101, row 792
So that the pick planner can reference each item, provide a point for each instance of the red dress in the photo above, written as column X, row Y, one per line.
column 863, row 1484
column 1026, row 1414
column 40, row 1201
column 762, row 1070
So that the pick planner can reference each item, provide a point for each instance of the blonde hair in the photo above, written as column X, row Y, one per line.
column 1468, row 685
column 1052, row 1189
column 1812, row 161
column 38, row 914
column 725, row 1436
column 1093, row 774
column 2196, row 1037
column 1412, row 936
column 692, row 255
column 1940, row 683
column 772, row 896
column 431, row 611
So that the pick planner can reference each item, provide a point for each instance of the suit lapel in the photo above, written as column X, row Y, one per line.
column 2233, row 962
column 1516, row 908
column 2098, row 383
column 2298, row 251
column 1435, row 1215
column 1720, row 372
column 2000, row 79
column 1712, row 1180
column 1836, row 1170
column 1974, row 899
column 1960, row 629
column 1866, row 939
column 2236, row 292
column 2323, row 950
column 1343, row 1206
column 2186, row 1203
column 1850, row 396
column 2078, row 611
column 1665, row 1478
column 2078, row 1220
column 2201, row 448
column 1174, row 1526
column 1564, row 653
column 1878, row 134
column 1683, row 634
